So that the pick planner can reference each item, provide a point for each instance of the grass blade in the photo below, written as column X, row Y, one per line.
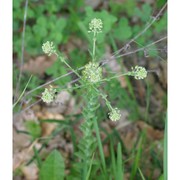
column 142, row 176
column 38, row 159
column 119, row 167
column 113, row 162
column 89, row 171
column 100, row 146
column 137, row 157
column 22, row 92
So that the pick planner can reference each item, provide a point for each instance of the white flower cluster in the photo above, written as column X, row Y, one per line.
column 48, row 48
column 115, row 115
column 92, row 72
column 138, row 72
column 95, row 25
column 48, row 95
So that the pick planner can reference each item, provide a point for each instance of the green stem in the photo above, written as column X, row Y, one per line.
column 94, row 47
column 66, row 63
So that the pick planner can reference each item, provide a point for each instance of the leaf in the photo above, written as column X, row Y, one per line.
column 144, row 13
column 119, row 162
column 137, row 157
column 123, row 31
column 33, row 128
column 160, row 3
column 161, row 24
column 53, row 167
column 58, row 69
column 121, row 7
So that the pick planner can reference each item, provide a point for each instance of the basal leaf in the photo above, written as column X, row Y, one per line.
column 53, row 167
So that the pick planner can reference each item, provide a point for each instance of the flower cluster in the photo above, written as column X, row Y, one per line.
column 95, row 25
column 48, row 95
column 92, row 72
column 48, row 48
column 138, row 72
column 115, row 115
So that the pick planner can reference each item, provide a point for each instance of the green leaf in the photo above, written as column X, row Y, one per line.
column 60, row 24
column 33, row 128
column 123, row 31
column 17, row 4
column 137, row 156
column 144, row 13
column 58, row 69
column 119, row 163
column 161, row 24
column 160, row 3
column 121, row 7
column 162, row 177
column 53, row 167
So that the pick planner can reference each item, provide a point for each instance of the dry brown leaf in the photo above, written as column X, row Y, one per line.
column 20, row 157
column 93, row 4
column 39, row 64
column 48, row 128
column 116, row 68
column 129, row 136
column 30, row 172
column 20, row 141
column 152, row 133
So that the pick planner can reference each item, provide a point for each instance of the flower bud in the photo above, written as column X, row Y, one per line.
column 48, row 95
column 138, row 72
column 115, row 115
column 92, row 72
column 95, row 25
column 48, row 48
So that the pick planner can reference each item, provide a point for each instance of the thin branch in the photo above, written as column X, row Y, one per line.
column 132, row 52
column 22, row 48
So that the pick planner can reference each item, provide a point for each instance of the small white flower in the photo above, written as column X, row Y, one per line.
column 92, row 72
column 48, row 95
column 95, row 25
column 115, row 115
column 48, row 48
column 138, row 72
